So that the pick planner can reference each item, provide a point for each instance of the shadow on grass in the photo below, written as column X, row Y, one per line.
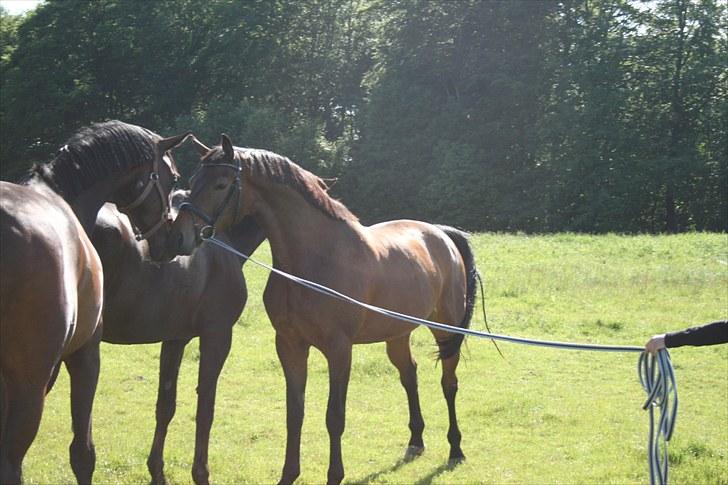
column 373, row 476
column 426, row 480
column 445, row 467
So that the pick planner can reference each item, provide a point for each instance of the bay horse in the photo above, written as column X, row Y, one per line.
column 200, row 295
column 51, row 279
column 409, row 266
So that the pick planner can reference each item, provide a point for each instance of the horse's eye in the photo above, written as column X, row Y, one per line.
column 220, row 185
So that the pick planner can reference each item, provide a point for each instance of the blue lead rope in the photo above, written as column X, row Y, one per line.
column 655, row 372
column 658, row 380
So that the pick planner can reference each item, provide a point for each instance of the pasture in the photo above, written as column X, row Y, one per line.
column 540, row 416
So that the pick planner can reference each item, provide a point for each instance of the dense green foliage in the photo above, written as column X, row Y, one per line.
column 583, row 115
column 541, row 416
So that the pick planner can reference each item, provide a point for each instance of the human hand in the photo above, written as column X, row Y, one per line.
column 655, row 343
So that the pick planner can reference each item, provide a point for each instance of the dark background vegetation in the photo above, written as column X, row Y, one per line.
column 539, row 116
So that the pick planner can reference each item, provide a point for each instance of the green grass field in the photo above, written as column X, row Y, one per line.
column 541, row 416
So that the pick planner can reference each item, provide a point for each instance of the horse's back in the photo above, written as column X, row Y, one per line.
column 51, row 279
column 415, row 243
column 417, row 270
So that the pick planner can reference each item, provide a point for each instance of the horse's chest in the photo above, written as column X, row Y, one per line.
column 302, row 314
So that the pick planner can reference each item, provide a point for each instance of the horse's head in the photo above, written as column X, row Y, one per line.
column 177, row 198
column 145, row 197
column 216, row 198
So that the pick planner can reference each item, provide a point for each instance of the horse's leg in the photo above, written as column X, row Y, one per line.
column 22, row 409
column 398, row 351
column 3, row 407
column 169, row 361
column 450, row 388
column 293, row 355
column 214, row 349
column 83, row 368
column 339, row 359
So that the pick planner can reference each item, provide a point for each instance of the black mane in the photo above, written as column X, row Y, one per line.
column 95, row 153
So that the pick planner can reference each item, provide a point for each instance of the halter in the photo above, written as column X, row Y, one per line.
column 208, row 230
column 152, row 183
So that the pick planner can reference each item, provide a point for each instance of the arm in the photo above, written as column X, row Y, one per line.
column 713, row 333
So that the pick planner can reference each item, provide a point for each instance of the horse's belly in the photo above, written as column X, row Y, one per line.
column 381, row 329
column 141, row 319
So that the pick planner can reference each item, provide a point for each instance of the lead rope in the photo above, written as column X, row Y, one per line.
column 658, row 380
column 655, row 372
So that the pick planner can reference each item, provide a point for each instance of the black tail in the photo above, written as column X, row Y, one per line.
column 451, row 346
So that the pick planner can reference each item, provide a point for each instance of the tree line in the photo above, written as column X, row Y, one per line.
column 538, row 116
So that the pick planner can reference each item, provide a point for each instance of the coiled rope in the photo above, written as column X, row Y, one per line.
column 655, row 372
column 658, row 380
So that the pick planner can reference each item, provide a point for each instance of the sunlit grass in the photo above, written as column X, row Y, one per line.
column 541, row 416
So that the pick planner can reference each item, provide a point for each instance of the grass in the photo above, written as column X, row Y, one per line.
column 541, row 416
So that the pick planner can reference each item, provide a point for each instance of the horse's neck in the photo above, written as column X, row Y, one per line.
column 85, row 205
column 246, row 235
column 296, row 229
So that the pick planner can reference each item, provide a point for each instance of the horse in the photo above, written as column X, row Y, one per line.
column 51, row 278
column 200, row 295
column 409, row 266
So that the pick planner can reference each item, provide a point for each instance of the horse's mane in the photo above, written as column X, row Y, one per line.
column 95, row 153
column 278, row 169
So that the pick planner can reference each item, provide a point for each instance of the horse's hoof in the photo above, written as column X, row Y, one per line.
column 413, row 452
column 287, row 480
column 200, row 475
column 159, row 479
column 455, row 461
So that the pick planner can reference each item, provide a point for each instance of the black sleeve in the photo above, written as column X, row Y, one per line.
column 713, row 333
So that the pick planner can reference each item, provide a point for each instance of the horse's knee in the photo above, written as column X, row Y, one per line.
column 335, row 423
column 449, row 387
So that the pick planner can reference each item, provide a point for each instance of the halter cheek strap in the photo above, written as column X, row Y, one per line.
column 151, row 184
column 208, row 230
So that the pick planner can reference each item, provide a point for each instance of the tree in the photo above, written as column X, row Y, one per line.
column 448, row 133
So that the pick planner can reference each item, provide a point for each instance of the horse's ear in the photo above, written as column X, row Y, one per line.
column 227, row 146
column 201, row 148
column 166, row 144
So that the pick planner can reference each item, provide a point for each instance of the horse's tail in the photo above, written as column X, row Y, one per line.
column 451, row 346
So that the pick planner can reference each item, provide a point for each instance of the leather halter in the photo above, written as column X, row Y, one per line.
column 208, row 230
column 152, row 183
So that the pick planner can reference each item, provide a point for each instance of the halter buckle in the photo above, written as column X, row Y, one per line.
column 207, row 232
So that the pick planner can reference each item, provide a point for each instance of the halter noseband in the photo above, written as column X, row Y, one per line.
column 208, row 230
column 151, row 184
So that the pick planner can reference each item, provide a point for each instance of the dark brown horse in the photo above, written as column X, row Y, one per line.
column 199, row 295
column 408, row 266
column 51, row 277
